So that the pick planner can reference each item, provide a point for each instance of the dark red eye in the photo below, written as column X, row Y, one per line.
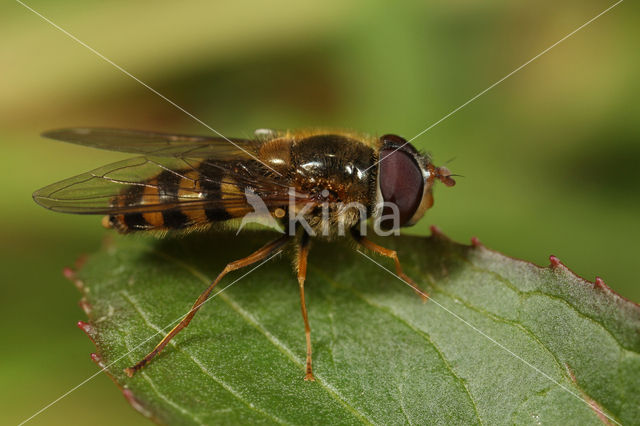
column 401, row 183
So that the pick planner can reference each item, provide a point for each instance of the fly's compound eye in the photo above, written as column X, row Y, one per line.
column 402, row 184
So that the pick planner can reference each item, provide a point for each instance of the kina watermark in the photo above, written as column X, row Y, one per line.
column 321, row 216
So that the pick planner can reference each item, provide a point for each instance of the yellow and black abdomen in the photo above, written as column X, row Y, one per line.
column 175, row 200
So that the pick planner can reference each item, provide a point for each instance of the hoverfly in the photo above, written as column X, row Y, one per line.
column 181, row 182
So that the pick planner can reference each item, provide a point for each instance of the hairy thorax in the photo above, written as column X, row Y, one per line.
column 336, row 172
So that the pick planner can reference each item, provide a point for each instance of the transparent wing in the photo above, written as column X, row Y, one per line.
column 156, row 144
column 152, row 184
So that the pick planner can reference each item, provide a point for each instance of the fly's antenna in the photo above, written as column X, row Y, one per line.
column 445, row 176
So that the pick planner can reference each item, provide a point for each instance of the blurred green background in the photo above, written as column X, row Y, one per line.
column 550, row 156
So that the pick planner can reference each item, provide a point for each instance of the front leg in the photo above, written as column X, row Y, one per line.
column 368, row 244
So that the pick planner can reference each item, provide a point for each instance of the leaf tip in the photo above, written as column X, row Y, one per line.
column 85, row 306
column 98, row 360
column 88, row 329
column 437, row 233
column 68, row 273
column 599, row 283
column 555, row 262
column 135, row 403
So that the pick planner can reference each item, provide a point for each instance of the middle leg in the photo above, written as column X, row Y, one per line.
column 301, row 266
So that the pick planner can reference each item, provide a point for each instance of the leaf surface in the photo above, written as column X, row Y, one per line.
column 501, row 341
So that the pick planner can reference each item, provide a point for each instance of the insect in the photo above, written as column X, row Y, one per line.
column 313, row 183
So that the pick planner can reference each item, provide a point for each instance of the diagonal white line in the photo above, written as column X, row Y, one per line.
column 500, row 345
column 142, row 343
column 500, row 81
column 118, row 67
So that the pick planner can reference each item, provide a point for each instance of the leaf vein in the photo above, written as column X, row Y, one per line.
column 421, row 333
column 527, row 294
column 162, row 396
column 526, row 330
column 402, row 407
column 199, row 363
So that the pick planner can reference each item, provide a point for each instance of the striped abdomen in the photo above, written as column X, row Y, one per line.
column 178, row 199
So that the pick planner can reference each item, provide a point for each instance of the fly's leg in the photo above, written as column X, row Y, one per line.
column 370, row 245
column 257, row 256
column 301, row 266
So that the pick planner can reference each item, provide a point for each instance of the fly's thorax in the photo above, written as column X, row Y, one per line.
column 334, row 165
column 335, row 170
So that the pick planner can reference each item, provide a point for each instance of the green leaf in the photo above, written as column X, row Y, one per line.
column 500, row 341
